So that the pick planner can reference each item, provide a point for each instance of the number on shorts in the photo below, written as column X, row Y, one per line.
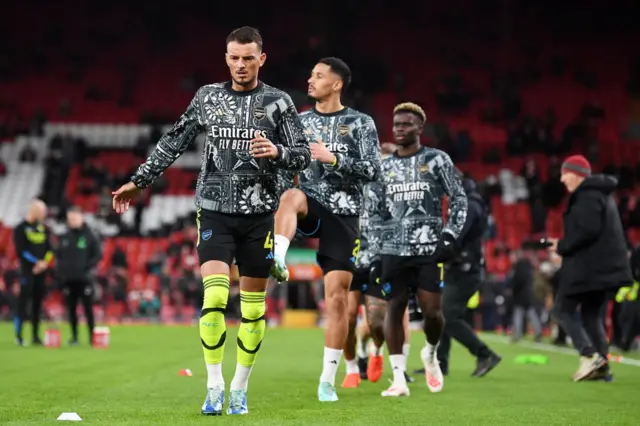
column 356, row 249
column 268, row 242
column 441, row 266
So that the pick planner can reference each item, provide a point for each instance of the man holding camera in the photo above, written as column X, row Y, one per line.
column 594, row 262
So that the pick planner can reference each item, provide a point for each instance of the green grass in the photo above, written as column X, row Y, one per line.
column 136, row 382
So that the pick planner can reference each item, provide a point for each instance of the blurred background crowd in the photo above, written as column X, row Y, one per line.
column 509, row 88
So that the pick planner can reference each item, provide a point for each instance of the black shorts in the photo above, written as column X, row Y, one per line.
column 411, row 273
column 339, row 237
column 248, row 238
column 369, row 284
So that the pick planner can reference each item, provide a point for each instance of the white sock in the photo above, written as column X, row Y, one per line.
column 214, row 375
column 429, row 351
column 361, row 348
column 241, row 378
column 398, row 363
column 281, row 245
column 330, row 365
column 352, row 366
column 377, row 351
column 405, row 352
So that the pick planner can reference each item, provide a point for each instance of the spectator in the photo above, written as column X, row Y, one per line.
column 521, row 283
column 28, row 154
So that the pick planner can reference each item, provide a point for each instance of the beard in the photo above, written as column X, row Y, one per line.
column 244, row 83
column 407, row 141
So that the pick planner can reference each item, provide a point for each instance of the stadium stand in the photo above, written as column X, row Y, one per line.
column 506, row 115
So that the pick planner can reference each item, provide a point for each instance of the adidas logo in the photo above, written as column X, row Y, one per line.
column 333, row 362
column 269, row 256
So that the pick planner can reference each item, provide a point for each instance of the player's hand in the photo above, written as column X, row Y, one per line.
column 40, row 267
column 553, row 248
column 321, row 153
column 123, row 196
column 447, row 248
column 262, row 147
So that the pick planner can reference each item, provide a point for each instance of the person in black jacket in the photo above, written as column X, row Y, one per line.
column 629, row 315
column 78, row 253
column 463, row 277
column 521, row 284
column 33, row 247
column 594, row 262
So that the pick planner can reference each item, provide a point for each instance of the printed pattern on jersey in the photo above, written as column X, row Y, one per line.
column 231, row 180
column 414, row 188
column 352, row 137
column 371, row 224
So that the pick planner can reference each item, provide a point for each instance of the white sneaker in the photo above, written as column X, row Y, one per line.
column 588, row 365
column 279, row 271
column 396, row 390
column 432, row 372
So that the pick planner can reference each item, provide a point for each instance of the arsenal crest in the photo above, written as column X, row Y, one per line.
column 423, row 168
column 343, row 130
column 258, row 113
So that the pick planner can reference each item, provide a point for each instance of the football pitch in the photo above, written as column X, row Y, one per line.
column 136, row 382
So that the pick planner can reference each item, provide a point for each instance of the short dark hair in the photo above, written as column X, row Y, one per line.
column 339, row 67
column 245, row 35
column 411, row 108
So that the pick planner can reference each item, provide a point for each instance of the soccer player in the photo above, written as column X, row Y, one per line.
column 366, row 280
column 415, row 239
column 252, row 131
column 33, row 246
column 328, row 201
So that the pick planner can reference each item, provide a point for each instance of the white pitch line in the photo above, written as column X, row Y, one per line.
column 555, row 349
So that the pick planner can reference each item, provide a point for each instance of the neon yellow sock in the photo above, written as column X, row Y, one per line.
column 251, row 332
column 213, row 330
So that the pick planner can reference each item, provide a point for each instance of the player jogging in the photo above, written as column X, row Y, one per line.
column 236, row 196
column 366, row 281
column 415, row 240
column 329, row 201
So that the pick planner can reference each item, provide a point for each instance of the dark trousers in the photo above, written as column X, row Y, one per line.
column 587, row 332
column 458, row 289
column 562, row 335
column 31, row 291
column 630, row 320
column 75, row 291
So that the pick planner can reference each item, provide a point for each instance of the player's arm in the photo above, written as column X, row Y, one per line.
column 48, row 253
column 375, row 210
column 171, row 145
column 376, row 205
column 474, row 213
column 366, row 166
column 457, row 197
column 22, row 245
column 294, row 154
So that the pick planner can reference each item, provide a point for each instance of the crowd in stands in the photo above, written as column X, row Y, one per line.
column 534, row 146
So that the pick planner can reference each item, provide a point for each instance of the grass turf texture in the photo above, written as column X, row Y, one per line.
column 136, row 382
